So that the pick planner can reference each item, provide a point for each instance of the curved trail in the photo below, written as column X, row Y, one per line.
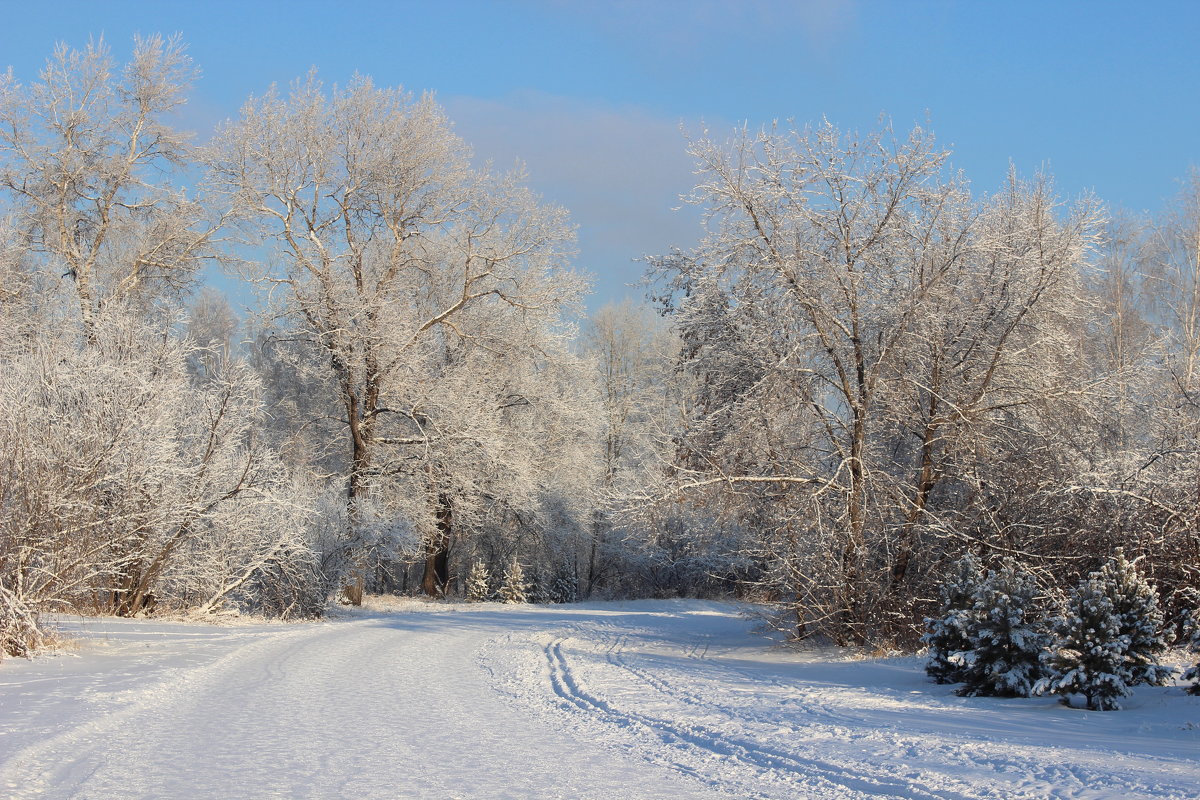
column 383, row 707
column 634, row 701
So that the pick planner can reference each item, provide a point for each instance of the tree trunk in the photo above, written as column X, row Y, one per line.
column 926, row 479
column 852, row 554
column 360, row 462
column 597, row 536
column 436, row 580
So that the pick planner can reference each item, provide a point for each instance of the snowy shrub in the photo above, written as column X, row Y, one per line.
column 478, row 582
column 515, row 588
column 1192, row 642
column 289, row 587
column 551, row 585
column 1139, row 622
column 1004, row 644
column 20, row 633
column 1109, row 639
column 1088, row 655
column 945, row 636
column 539, row 586
column 565, row 586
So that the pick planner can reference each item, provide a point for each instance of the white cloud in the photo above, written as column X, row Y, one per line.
column 619, row 171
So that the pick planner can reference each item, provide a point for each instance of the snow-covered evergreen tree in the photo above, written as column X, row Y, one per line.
column 1139, row 621
column 478, row 582
column 1192, row 642
column 515, row 588
column 565, row 587
column 1005, row 644
column 945, row 637
column 1088, row 654
column 539, row 586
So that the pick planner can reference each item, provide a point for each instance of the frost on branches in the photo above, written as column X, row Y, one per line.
column 1109, row 639
column 871, row 347
column 946, row 636
column 20, row 632
column 1005, row 644
column 133, row 472
column 424, row 300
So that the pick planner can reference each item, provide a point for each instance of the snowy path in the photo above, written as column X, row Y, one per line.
column 632, row 700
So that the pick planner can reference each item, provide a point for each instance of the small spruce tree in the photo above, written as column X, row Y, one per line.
column 1191, row 633
column 1088, row 653
column 515, row 588
column 944, row 635
column 1139, row 622
column 565, row 588
column 539, row 591
column 1005, row 640
column 478, row 582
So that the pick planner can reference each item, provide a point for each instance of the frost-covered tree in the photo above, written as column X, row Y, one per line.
column 131, row 474
column 212, row 325
column 866, row 340
column 411, row 286
column 478, row 582
column 1004, row 634
column 946, row 635
column 1088, row 655
column 1138, row 484
column 87, row 157
column 633, row 351
column 514, row 588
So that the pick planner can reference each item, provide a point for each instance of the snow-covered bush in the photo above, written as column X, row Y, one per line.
column 1192, row 642
column 20, row 633
column 515, row 588
column 565, row 586
column 1109, row 639
column 1088, row 654
column 539, row 586
column 307, row 568
column 1139, row 621
column 945, row 636
column 141, row 485
column 1005, row 640
column 478, row 582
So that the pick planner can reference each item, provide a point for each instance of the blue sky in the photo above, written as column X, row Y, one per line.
column 592, row 96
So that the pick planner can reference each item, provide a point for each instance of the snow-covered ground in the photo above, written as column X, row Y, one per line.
column 671, row 699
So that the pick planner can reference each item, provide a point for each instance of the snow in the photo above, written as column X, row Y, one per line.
column 647, row 699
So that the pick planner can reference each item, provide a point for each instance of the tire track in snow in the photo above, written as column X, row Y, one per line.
column 807, row 701
column 1037, row 779
column 756, row 756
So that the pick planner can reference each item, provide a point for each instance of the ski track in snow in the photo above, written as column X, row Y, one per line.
column 670, row 699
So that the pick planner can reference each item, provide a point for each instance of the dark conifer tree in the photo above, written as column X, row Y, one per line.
column 1005, row 640
column 945, row 635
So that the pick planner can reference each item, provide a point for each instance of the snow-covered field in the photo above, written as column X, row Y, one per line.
column 671, row 699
